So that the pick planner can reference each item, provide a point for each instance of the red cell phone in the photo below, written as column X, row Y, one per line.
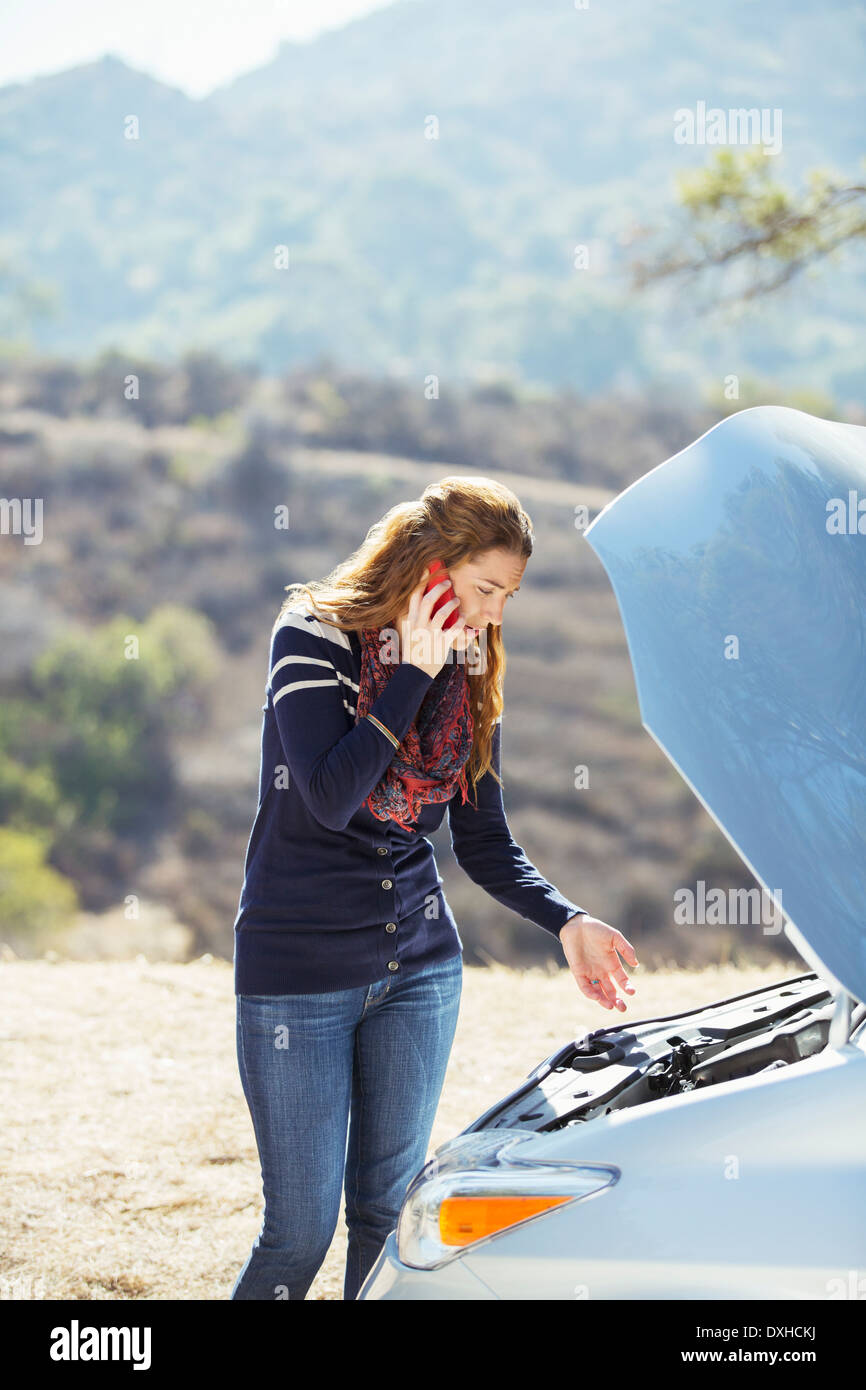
column 438, row 572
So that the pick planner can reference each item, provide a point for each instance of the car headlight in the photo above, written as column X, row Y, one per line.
column 480, row 1184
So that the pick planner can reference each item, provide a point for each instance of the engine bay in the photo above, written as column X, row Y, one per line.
column 610, row 1068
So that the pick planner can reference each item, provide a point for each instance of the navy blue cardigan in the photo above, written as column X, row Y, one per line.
column 333, row 897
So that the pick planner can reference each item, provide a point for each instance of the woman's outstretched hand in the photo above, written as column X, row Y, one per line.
column 590, row 948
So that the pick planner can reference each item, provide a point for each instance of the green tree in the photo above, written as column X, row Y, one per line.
column 34, row 897
column 108, row 702
column 737, row 211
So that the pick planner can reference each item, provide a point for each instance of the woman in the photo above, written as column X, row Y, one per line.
column 348, row 961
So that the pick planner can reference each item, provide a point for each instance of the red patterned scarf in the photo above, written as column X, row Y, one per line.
column 430, row 763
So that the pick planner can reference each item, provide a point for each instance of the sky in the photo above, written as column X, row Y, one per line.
column 195, row 45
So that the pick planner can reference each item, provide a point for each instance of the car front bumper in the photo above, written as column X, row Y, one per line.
column 390, row 1278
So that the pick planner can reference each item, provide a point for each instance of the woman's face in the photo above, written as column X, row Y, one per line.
column 484, row 585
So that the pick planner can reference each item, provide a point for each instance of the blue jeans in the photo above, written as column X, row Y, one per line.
column 304, row 1059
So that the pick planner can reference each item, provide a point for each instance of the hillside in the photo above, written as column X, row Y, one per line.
column 141, row 777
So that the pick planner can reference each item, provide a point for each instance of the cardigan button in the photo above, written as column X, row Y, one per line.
column 393, row 965
column 390, row 926
column 386, row 883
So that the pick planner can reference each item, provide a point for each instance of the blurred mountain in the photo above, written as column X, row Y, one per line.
column 415, row 255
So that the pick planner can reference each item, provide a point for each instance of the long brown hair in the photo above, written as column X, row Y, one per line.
column 456, row 519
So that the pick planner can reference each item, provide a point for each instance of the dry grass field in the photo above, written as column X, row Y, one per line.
column 127, row 1152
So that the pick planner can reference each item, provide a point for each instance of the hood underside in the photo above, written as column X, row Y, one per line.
column 740, row 575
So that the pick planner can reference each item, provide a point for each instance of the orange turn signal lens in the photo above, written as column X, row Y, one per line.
column 463, row 1220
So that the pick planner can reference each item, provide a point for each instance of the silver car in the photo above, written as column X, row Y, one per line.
column 718, row 1153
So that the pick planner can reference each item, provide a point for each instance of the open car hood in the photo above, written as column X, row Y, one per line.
column 741, row 582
